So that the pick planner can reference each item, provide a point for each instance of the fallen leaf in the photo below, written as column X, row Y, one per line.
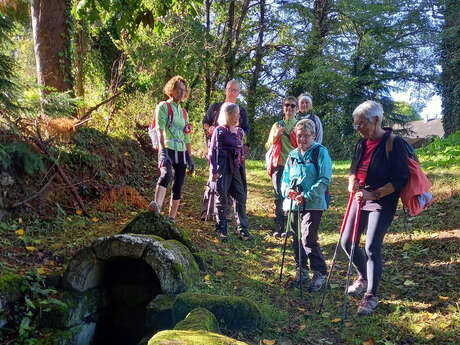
column 301, row 309
column 429, row 336
column 20, row 220
column 20, row 232
column 444, row 298
column 369, row 341
column 418, row 328
column 30, row 248
column 348, row 324
column 206, row 278
column 219, row 274
column 337, row 319
column 52, row 263
column 409, row 283
column 95, row 219
column 69, row 219
column 302, row 327
column 79, row 212
column 269, row 342
column 42, row 270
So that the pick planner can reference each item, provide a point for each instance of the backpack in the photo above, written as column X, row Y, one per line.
column 315, row 154
column 327, row 194
column 152, row 128
column 415, row 195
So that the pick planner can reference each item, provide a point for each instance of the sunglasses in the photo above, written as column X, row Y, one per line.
column 287, row 105
column 360, row 124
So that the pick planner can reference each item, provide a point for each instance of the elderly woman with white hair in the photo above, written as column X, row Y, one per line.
column 377, row 181
column 226, row 157
column 305, row 101
column 311, row 167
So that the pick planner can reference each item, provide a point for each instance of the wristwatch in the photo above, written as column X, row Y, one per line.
column 377, row 194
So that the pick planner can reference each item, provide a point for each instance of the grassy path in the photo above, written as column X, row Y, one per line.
column 419, row 293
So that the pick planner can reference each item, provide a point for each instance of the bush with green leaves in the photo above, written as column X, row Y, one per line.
column 17, row 158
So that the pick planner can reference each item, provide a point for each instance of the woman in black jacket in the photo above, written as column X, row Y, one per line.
column 377, row 181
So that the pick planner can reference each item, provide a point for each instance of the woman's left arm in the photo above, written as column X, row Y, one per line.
column 324, row 175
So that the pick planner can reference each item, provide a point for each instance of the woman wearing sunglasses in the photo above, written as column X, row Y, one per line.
column 281, row 133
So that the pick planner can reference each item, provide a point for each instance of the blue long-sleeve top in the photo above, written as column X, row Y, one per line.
column 313, row 182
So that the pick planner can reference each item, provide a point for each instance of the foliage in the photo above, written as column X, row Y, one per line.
column 441, row 153
column 17, row 158
column 8, row 86
column 37, row 299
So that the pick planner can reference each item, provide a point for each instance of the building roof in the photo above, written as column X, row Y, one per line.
column 422, row 129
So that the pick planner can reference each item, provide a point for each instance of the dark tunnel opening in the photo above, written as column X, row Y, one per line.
column 129, row 285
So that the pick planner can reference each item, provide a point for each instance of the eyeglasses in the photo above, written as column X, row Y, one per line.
column 287, row 105
column 360, row 124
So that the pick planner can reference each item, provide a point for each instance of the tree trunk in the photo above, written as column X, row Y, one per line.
column 79, row 51
column 228, row 50
column 52, row 45
column 207, row 67
column 450, row 62
column 252, row 99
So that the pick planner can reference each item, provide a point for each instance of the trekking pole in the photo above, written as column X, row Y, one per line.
column 292, row 186
column 299, row 238
column 342, row 228
column 353, row 245
column 286, row 238
column 211, row 198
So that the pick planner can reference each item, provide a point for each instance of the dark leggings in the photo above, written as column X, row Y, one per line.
column 377, row 223
column 276, row 181
column 179, row 174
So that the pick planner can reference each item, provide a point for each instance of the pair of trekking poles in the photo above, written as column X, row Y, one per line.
column 350, row 263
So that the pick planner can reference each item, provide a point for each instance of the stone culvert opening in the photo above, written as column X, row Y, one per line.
column 129, row 285
column 124, row 273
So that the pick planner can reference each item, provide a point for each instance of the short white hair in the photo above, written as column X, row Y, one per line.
column 230, row 82
column 305, row 125
column 307, row 96
column 369, row 109
column 226, row 110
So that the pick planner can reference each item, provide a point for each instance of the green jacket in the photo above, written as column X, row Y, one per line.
column 174, row 134
column 286, row 145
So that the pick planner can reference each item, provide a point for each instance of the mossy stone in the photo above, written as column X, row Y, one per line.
column 75, row 308
column 158, row 314
column 199, row 318
column 10, row 286
column 199, row 337
column 232, row 312
column 151, row 223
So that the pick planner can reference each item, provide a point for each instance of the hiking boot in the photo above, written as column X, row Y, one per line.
column 368, row 304
column 154, row 207
column 358, row 287
column 316, row 282
column 295, row 282
column 244, row 235
column 222, row 231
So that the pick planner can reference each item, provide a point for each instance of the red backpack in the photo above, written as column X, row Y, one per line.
column 415, row 195
column 152, row 128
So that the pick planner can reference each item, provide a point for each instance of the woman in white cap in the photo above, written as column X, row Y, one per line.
column 305, row 101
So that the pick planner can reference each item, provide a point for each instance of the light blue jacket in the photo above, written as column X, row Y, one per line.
column 314, row 183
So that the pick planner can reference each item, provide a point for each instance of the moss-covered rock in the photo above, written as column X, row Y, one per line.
column 10, row 292
column 199, row 318
column 200, row 337
column 151, row 223
column 232, row 312
column 75, row 308
column 158, row 314
column 79, row 335
column 171, row 261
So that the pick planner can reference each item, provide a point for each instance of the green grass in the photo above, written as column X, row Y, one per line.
column 419, row 296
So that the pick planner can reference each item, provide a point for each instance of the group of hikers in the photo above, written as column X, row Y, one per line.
column 301, row 174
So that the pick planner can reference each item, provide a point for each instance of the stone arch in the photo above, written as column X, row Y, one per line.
column 170, row 260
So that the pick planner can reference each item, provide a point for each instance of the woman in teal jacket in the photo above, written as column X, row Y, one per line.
column 311, row 166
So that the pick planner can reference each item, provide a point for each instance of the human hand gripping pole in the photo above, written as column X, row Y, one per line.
column 342, row 228
column 292, row 186
column 191, row 164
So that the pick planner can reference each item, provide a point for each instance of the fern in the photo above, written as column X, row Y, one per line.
column 18, row 158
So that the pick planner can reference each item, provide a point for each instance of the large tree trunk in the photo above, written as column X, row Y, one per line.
column 207, row 65
column 52, row 44
column 252, row 99
column 450, row 62
column 228, row 50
